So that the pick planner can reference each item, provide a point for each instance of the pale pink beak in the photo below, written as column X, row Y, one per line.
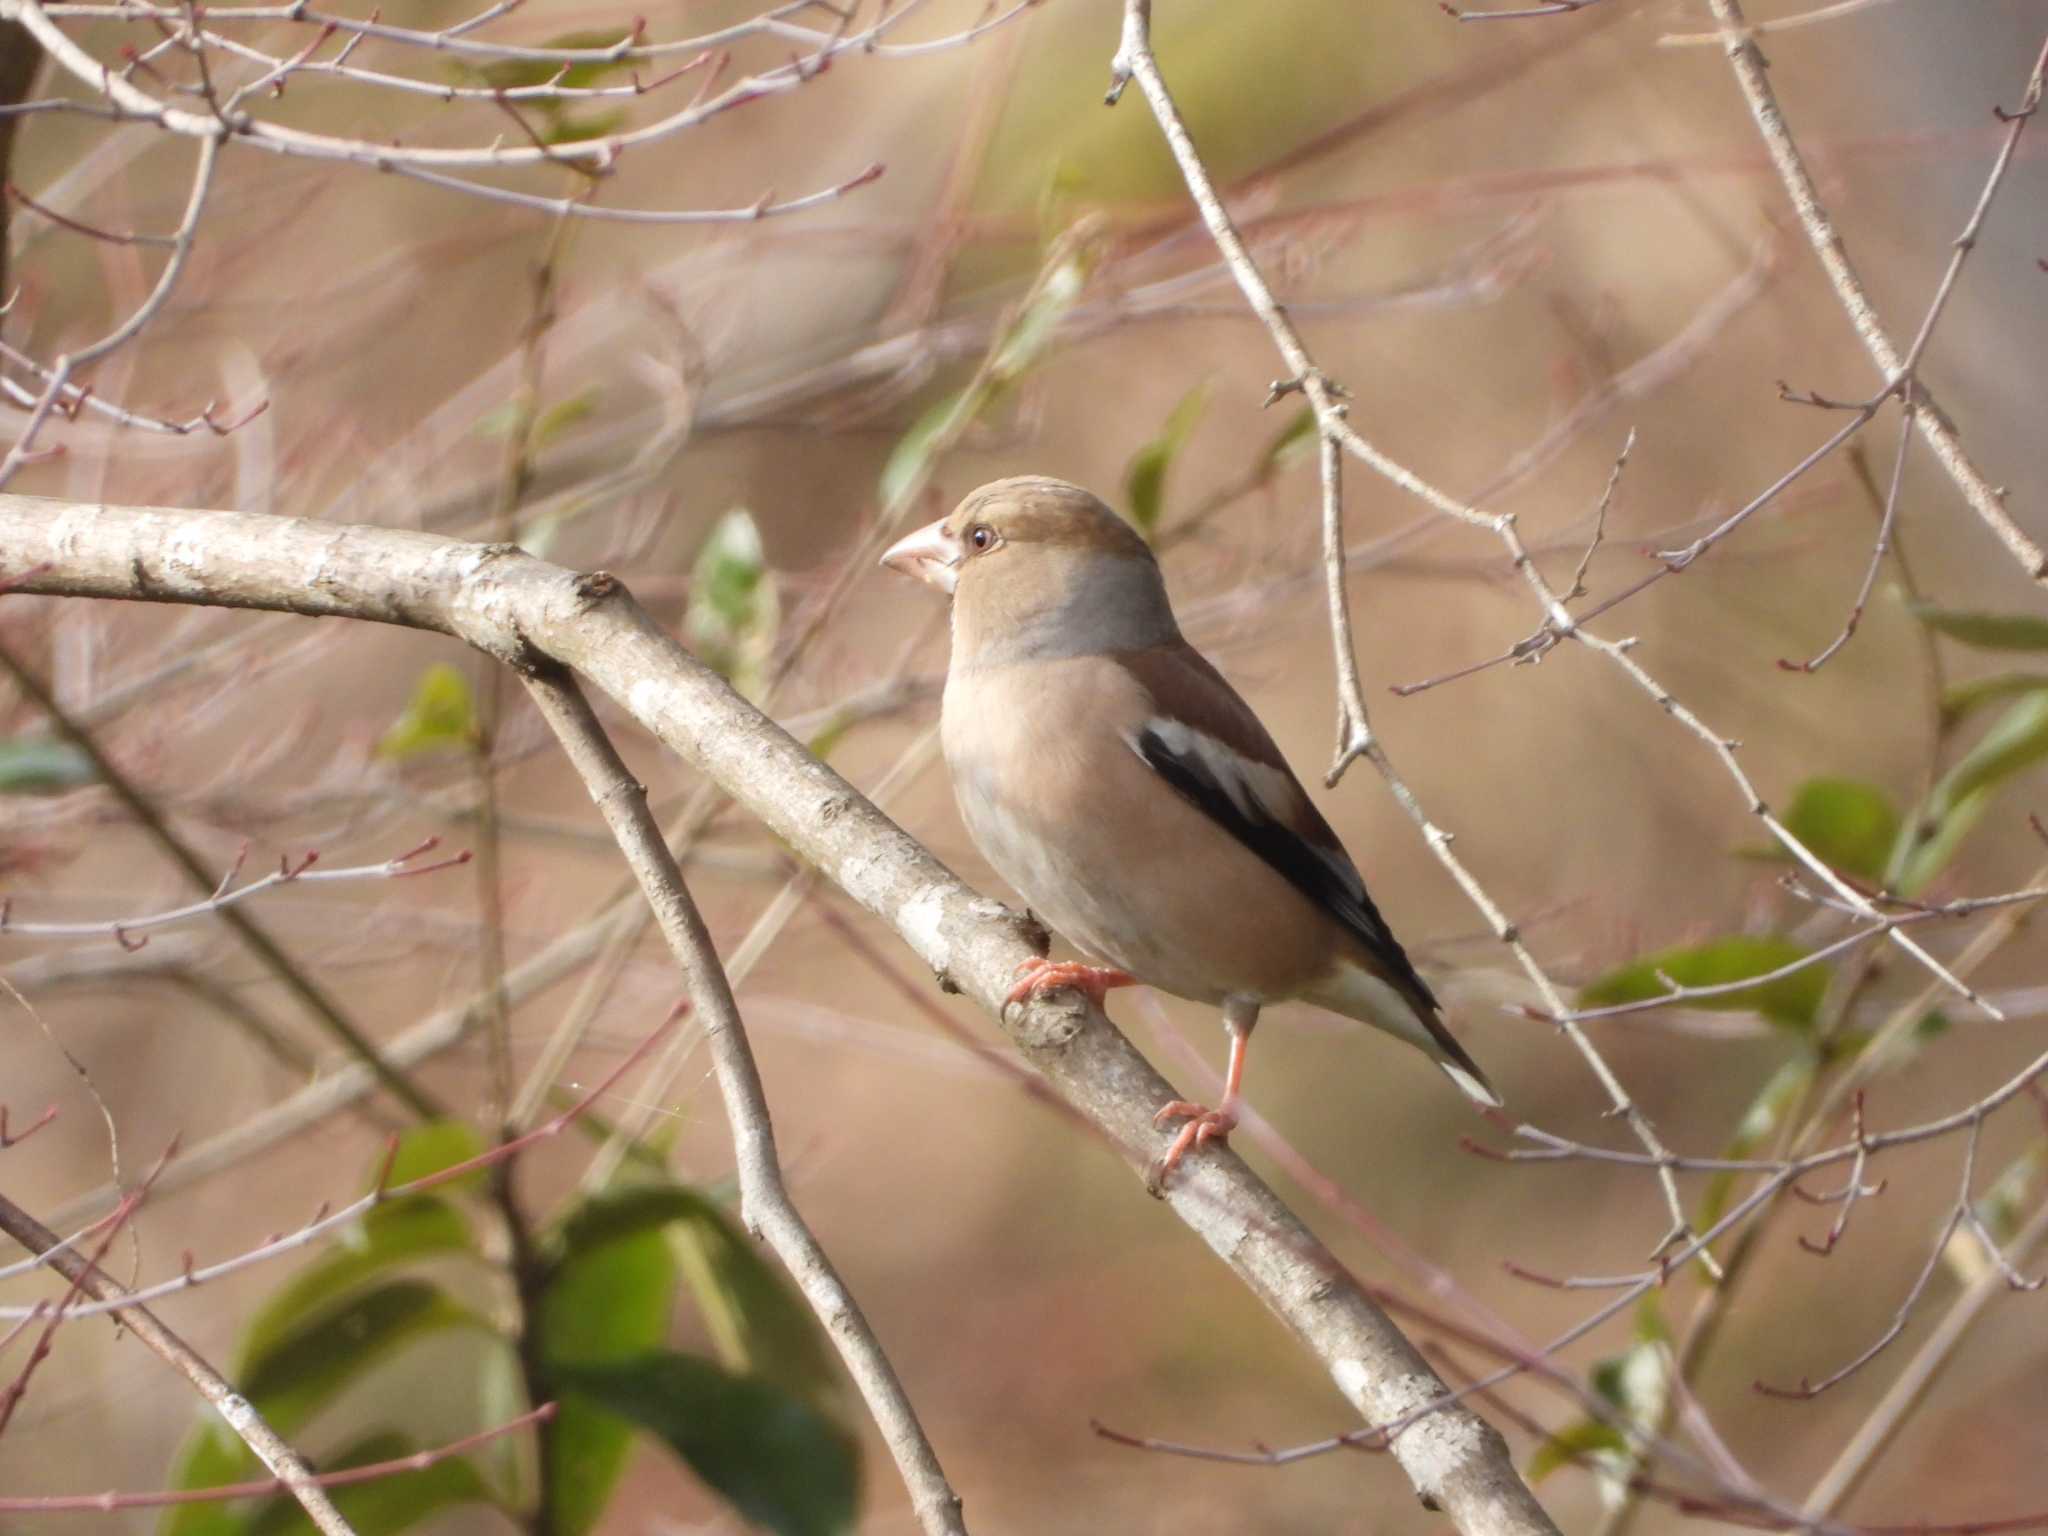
column 931, row 554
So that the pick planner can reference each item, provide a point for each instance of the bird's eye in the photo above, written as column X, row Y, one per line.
column 981, row 537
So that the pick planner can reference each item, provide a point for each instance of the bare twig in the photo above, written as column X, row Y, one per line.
column 269, row 1447
column 765, row 1205
column 1753, row 76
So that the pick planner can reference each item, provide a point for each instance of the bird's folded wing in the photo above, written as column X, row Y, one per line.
column 1205, row 742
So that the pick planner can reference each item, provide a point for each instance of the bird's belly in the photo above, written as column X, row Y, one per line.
column 1129, row 900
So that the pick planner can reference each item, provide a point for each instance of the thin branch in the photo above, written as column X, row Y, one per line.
column 310, row 993
column 765, row 1205
column 269, row 1447
column 1753, row 75
column 351, row 1477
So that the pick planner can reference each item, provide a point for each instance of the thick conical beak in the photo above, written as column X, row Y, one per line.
column 931, row 554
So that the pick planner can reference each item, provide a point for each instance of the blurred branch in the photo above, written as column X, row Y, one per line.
column 269, row 1447
column 1905, row 1394
column 525, row 612
column 1898, row 368
column 282, row 966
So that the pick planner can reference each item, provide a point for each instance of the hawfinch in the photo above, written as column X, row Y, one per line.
column 1109, row 773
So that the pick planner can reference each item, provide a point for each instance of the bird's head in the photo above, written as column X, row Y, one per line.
column 1038, row 568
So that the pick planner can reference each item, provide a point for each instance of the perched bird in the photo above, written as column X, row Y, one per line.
column 1109, row 773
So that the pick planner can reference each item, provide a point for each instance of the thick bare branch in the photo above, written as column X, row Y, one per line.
column 527, row 612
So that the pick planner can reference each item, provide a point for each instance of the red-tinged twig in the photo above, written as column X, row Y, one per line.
column 269, row 1447
column 288, row 873
column 53, row 1316
column 12, row 1138
column 370, row 1472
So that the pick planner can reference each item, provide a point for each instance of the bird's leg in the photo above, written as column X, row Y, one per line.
column 1207, row 1125
column 1042, row 976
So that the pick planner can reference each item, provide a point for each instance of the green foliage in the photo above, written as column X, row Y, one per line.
column 1930, row 839
column 386, row 1505
column 324, row 1352
column 429, row 1148
column 1960, row 699
column 1781, row 1094
column 547, row 425
column 389, row 1237
column 602, row 1286
column 1145, row 475
column 1022, row 345
column 782, row 1463
column 2017, row 740
column 304, row 1362
column 1290, row 445
column 41, row 765
column 759, row 1322
column 609, row 1295
column 1987, row 631
column 440, row 715
column 1636, row 1386
column 516, row 74
column 1849, row 824
column 1790, row 1001
column 735, row 607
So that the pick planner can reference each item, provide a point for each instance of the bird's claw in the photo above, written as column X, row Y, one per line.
column 1042, row 976
column 1204, row 1125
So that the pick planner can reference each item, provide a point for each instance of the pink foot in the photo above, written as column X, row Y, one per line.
column 1203, row 1126
column 1042, row 976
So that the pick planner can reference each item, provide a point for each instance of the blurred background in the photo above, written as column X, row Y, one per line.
column 1514, row 243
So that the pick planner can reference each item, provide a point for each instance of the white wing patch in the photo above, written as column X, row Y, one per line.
column 1256, row 789
column 1260, row 791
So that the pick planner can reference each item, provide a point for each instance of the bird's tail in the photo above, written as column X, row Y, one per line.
column 1358, row 993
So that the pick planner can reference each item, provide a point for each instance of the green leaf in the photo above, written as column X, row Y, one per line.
column 781, row 1463
column 547, row 425
column 564, row 129
column 294, row 1361
column 390, row 1236
column 1921, row 862
column 2017, row 740
column 756, row 1319
column 1849, row 824
column 608, row 1298
column 734, row 607
column 41, row 765
column 388, row 1504
column 1057, row 291
column 1990, row 631
column 1583, row 1440
column 911, row 459
column 512, row 74
column 1290, row 445
column 2002, row 1207
column 1145, row 475
column 1960, row 699
column 212, row 1457
column 305, row 1368
column 1790, row 1001
column 429, row 1148
column 441, row 714
column 1784, row 1089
